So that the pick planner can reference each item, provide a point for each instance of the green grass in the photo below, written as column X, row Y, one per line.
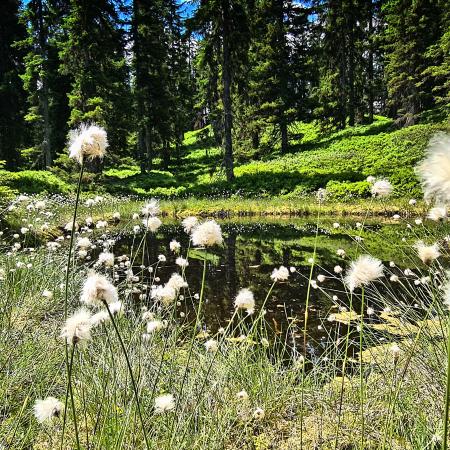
column 339, row 162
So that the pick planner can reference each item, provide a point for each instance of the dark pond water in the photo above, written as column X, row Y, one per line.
column 252, row 249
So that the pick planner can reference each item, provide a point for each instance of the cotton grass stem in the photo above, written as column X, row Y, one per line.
column 130, row 370
column 361, row 375
column 447, row 393
column 191, row 346
column 66, row 301
column 344, row 365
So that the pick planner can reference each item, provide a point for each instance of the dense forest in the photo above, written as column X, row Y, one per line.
column 150, row 70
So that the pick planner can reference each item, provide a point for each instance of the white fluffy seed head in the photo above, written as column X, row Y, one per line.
column 245, row 300
column 189, row 223
column 174, row 246
column 106, row 259
column 77, row 328
column 151, row 208
column 437, row 213
column 427, row 253
column 152, row 223
column 176, row 282
column 47, row 409
column 164, row 403
column 88, row 141
column 97, row 289
column 363, row 271
column 207, row 234
column 434, row 170
column 211, row 346
column 280, row 274
column 381, row 188
column 165, row 294
column 182, row 262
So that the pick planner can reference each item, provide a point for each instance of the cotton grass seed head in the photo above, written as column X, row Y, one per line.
column 152, row 223
column 280, row 274
column 434, row 170
column 427, row 253
column 77, row 328
column 47, row 409
column 211, row 346
column 381, row 188
column 88, row 141
column 151, row 208
column 245, row 300
column 207, row 234
column 97, row 290
column 437, row 214
column 106, row 259
column 189, row 223
column 363, row 271
column 164, row 403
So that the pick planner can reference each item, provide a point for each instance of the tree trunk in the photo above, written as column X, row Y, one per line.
column 370, row 64
column 284, row 135
column 149, row 149
column 226, row 81
column 43, row 94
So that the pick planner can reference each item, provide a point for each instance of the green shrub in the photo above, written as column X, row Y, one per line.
column 33, row 181
column 346, row 189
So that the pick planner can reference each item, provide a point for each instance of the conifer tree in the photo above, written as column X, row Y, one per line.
column 412, row 26
column 93, row 56
column 12, row 96
column 46, row 88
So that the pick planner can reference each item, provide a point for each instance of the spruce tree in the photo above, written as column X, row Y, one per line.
column 412, row 26
column 46, row 88
column 93, row 56
column 12, row 96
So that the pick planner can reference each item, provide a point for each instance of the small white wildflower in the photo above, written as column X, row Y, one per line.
column 321, row 278
column 427, row 253
column 437, row 213
column 412, row 202
column 182, row 262
column 258, row 414
column 116, row 215
column 106, row 258
column 340, row 252
column 394, row 278
column 47, row 294
column 371, row 179
column 154, row 325
column 337, row 269
column 174, row 246
column 83, row 242
column 434, row 170
column 151, row 208
column 152, row 223
column 176, row 282
column 242, row 395
column 162, row 258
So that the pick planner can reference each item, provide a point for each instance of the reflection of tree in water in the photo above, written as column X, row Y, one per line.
column 232, row 278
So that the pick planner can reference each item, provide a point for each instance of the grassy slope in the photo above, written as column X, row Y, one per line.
column 339, row 161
